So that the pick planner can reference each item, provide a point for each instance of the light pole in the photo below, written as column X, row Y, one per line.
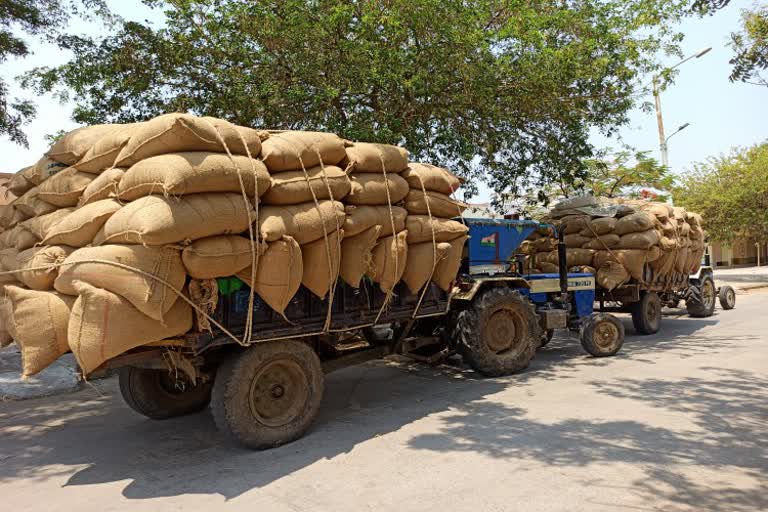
column 657, row 97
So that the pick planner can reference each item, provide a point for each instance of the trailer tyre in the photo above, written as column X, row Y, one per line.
column 269, row 394
column 602, row 335
column 157, row 395
column 646, row 313
column 727, row 297
column 701, row 298
column 498, row 334
column 545, row 337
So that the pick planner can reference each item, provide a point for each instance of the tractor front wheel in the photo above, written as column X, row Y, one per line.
column 602, row 335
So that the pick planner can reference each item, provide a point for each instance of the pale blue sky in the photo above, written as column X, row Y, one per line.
column 722, row 114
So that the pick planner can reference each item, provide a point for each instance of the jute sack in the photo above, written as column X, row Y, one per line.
column 38, row 265
column 577, row 257
column 633, row 223
column 193, row 172
column 362, row 218
column 65, row 188
column 294, row 187
column 547, row 257
column 6, row 319
column 19, row 238
column 43, row 169
column 73, row 145
column 389, row 260
column 292, row 150
column 174, row 133
column 608, row 241
column 148, row 295
column 432, row 178
column 279, row 274
column 103, row 153
column 660, row 210
column 694, row 219
column 157, row 220
column 104, row 186
column 420, row 229
column 219, row 256
column 611, row 275
column 104, row 325
column 371, row 189
column 19, row 184
column 371, row 157
column 40, row 226
column 599, row 226
column 572, row 224
column 10, row 216
column 548, row 268
column 681, row 264
column 40, row 322
column 320, row 272
column 668, row 244
column 583, row 269
column 575, row 240
column 9, row 258
column 303, row 222
column 423, row 259
column 31, row 205
column 78, row 227
column 545, row 244
column 641, row 240
column 440, row 205
column 448, row 268
column 356, row 255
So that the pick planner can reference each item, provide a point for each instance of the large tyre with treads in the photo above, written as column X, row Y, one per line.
column 157, row 394
column 498, row 334
column 701, row 296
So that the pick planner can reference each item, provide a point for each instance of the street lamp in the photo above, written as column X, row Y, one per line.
column 657, row 97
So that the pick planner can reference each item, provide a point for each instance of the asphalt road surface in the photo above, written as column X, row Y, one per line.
column 677, row 421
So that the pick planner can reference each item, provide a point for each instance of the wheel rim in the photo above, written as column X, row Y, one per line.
column 652, row 312
column 730, row 297
column 605, row 336
column 503, row 331
column 279, row 392
column 708, row 294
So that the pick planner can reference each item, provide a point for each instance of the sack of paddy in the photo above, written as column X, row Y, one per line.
column 111, row 267
column 31, row 205
column 278, row 275
column 661, row 211
column 362, row 218
column 40, row 323
column 158, row 220
column 193, row 172
column 65, row 188
column 19, row 238
column 357, row 255
column 599, row 226
column 448, row 267
column 294, row 150
column 73, row 145
column 104, row 186
column 38, row 265
column 636, row 222
column 611, row 275
column 431, row 178
column 40, row 226
column 375, row 189
column 9, row 258
column 421, row 229
column 321, row 260
column 18, row 185
column 42, row 170
column 546, row 257
column 577, row 257
column 176, row 133
column 10, row 216
column 608, row 241
column 304, row 222
column 681, row 263
column 219, row 256
column 544, row 244
column 423, row 259
column 434, row 203
column 389, row 259
column 103, row 153
column 576, row 240
column 372, row 157
column 548, row 268
column 639, row 240
column 6, row 322
column 104, row 325
column 294, row 187
column 78, row 227
column 583, row 269
column 573, row 224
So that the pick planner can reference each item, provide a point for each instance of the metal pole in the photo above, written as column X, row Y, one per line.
column 660, row 122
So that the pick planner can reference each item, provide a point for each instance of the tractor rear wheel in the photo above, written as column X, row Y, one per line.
column 646, row 313
column 701, row 298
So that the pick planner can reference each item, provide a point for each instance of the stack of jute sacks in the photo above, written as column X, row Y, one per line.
column 620, row 241
column 119, row 232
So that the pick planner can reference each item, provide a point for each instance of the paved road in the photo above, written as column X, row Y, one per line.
column 678, row 421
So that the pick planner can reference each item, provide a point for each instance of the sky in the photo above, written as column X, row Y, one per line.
column 722, row 115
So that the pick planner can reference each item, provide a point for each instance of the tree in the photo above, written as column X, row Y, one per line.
column 731, row 194
column 751, row 47
column 502, row 90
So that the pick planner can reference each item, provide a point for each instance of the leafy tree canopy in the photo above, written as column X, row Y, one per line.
column 751, row 47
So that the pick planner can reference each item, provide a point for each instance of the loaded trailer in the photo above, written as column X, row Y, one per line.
column 265, row 389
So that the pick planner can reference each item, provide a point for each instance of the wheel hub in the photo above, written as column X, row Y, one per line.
column 606, row 335
column 708, row 294
column 501, row 330
column 279, row 392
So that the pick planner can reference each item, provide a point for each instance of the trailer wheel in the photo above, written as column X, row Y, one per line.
column 701, row 298
column 727, row 297
column 268, row 394
column 646, row 313
column 545, row 337
column 498, row 334
column 602, row 335
column 158, row 395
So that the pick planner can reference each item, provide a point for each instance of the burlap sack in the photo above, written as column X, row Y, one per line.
column 608, row 241
column 547, row 257
column 431, row 177
column 371, row 157
column 527, row 247
column 79, row 227
column 641, row 240
column 38, row 265
column 599, row 226
column 10, row 216
column 175, row 133
column 549, row 268
column 575, row 240
column 357, row 255
column 149, row 295
column 40, row 322
column 157, row 220
column 423, row 259
column 448, row 268
column 103, row 153
column 420, row 229
column 193, row 172
column 18, row 237
column 440, row 205
column 361, row 218
column 320, row 271
column 9, row 258
column 104, row 325
column 681, row 263
column 73, row 145
column 577, row 257
column 31, row 205
column 42, row 170
column 303, row 222
column 40, row 226
column 295, row 187
column 371, row 189
column 389, row 260
column 668, row 244
column 611, row 275
column 583, row 269
column 633, row 223
column 679, row 213
column 104, row 186
column 661, row 211
column 65, row 188
column 694, row 219
column 572, row 224
column 6, row 325
column 279, row 274
column 219, row 256
column 292, row 150
column 545, row 244
column 19, row 184
column 669, row 229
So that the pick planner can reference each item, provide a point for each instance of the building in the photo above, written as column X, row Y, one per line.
column 743, row 251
